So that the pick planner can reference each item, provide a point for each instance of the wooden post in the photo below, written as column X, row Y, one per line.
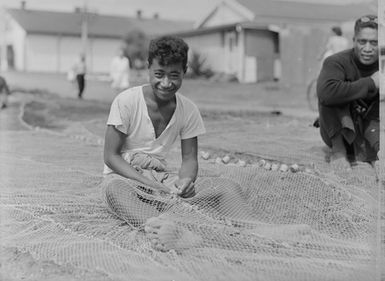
column 84, row 29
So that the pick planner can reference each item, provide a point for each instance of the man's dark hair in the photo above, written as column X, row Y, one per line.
column 337, row 30
column 168, row 50
column 370, row 21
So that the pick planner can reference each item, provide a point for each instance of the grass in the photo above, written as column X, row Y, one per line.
column 268, row 119
column 235, row 126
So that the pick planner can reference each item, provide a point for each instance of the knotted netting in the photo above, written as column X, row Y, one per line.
column 245, row 223
column 265, row 225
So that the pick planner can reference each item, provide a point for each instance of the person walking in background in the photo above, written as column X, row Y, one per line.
column 348, row 93
column 120, row 72
column 335, row 43
column 79, row 69
column 4, row 93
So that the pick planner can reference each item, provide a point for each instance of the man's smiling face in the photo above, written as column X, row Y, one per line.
column 165, row 80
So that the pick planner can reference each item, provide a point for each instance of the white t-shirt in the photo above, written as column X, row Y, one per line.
column 337, row 44
column 120, row 72
column 129, row 115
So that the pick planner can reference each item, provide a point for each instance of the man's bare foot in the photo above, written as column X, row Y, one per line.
column 339, row 162
column 166, row 235
column 370, row 169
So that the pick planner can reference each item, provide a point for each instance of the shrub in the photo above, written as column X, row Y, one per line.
column 197, row 67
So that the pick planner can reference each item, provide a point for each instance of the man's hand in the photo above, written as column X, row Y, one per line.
column 186, row 187
column 376, row 79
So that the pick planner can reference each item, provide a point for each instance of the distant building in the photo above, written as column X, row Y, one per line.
column 49, row 41
column 264, row 40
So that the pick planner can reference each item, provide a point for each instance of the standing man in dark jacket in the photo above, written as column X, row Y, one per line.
column 348, row 93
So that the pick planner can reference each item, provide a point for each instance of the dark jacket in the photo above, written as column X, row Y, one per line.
column 344, row 79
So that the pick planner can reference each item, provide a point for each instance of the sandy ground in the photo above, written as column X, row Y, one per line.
column 56, row 137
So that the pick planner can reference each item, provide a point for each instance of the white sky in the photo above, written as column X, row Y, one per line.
column 168, row 9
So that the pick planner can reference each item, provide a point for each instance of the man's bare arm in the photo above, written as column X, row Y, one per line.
column 189, row 168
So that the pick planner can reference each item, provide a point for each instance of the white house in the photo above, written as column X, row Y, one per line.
column 245, row 49
column 260, row 40
column 50, row 41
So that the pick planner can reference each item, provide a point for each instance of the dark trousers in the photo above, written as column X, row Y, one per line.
column 361, row 132
column 81, row 84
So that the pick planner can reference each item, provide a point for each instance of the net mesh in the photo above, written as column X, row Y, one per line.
column 247, row 223
column 299, row 227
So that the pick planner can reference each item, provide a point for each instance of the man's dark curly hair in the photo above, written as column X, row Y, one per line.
column 168, row 50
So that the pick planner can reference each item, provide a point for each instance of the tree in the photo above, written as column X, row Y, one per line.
column 136, row 47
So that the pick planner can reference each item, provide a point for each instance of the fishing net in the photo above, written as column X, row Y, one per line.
column 303, row 227
column 245, row 223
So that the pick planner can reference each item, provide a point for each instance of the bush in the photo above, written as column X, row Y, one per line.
column 197, row 67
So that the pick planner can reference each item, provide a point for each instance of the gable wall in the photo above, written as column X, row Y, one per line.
column 49, row 53
column 41, row 53
column 300, row 43
column 223, row 15
column 210, row 47
column 300, row 50
column 262, row 45
column 15, row 38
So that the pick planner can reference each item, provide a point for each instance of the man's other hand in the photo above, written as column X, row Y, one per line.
column 376, row 79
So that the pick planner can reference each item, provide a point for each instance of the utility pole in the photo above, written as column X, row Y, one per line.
column 3, row 44
column 381, row 193
column 84, row 28
column 381, row 41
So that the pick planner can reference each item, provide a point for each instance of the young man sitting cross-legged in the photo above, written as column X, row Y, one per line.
column 143, row 124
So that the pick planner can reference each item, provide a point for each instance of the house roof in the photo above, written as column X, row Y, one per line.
column 281, row 12
column 306, row 11
column 48, row 22
column 224, row 27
